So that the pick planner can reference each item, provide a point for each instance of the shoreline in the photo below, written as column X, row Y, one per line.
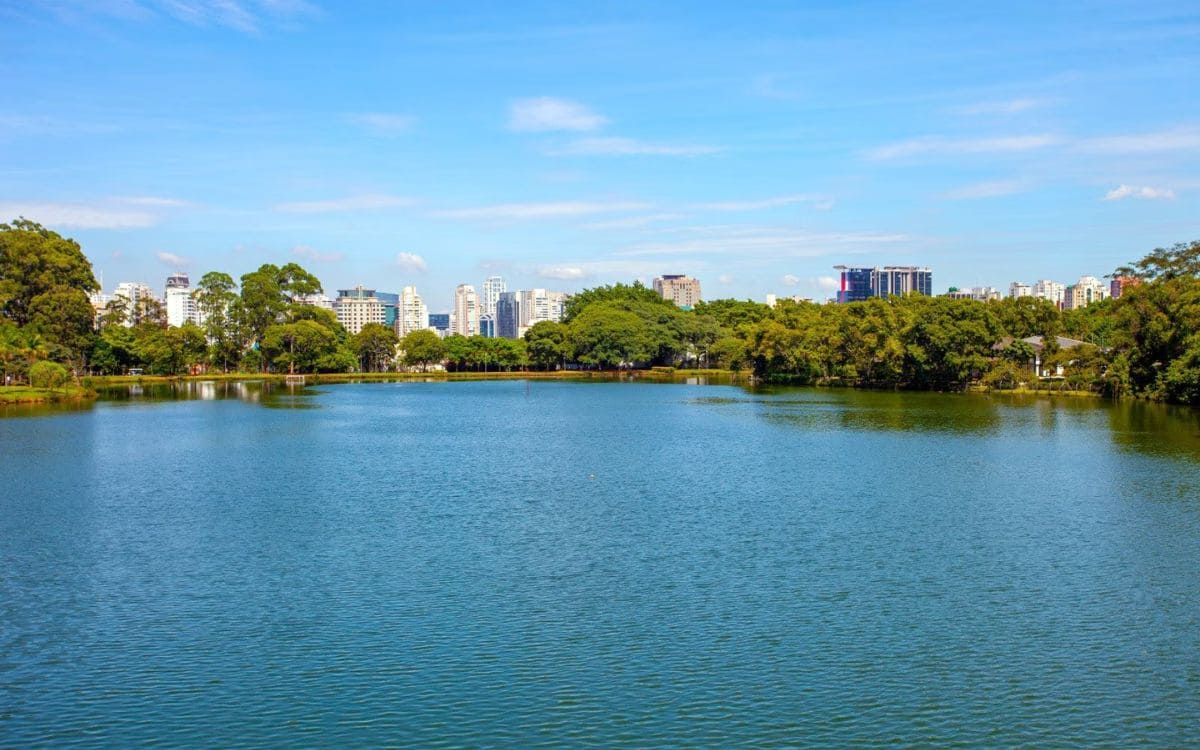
column 21, row 394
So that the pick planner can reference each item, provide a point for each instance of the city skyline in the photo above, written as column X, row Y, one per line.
column 574, row 147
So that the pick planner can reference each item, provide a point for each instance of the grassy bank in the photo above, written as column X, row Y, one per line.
column 21, row 394
column 658, row 374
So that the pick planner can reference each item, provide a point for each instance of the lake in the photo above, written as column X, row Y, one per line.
column 543, row 564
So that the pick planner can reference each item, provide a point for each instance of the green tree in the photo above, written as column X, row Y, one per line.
column 215, row 297
column 422, row 349
column 299, row 346
column 546, row 345
column 375, row 347
column 606, row 336
column 36, row 261
column 48, row 374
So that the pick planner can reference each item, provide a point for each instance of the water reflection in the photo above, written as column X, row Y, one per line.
column 262, row 392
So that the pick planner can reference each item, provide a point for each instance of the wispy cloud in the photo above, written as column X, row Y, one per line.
column 634, row 222
column 545, row 114
column 1144, row 192
column 79, row 215
column 725, row 279
column 1177, row 139
column 151, row 201
column 367, row 202
column 942, row 146
column 615, row 146
column 552, row 210
column 762, row 242
column 561, row 273
column 764, row 203
column 789, row 279
column 411, row 262
column 993, row 189
column 173, row 260
column 826, row 283
column 769, row 86
column 241, row 15
column 383, row 123
column 310, row 253
column 999, row 107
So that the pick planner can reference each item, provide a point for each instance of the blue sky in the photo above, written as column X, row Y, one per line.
column 573, row 144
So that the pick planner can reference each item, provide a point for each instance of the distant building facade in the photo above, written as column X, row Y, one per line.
column 411, row 312
column 1019, row 289
column 466, row 311
column 1120, row 284
column 493, row 287
column 1051, row 291
column 1084, row 292
column 508, row 315
column 684, row 291
column 357, row 307
column 181, row 306
column 858, row 284
column 440, row 323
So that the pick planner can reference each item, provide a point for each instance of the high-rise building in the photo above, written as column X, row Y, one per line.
column 493, row 287
column 858, row 284
column 1084, row 292
column 181, row 306
column 1050, row 290
column 487, row 326
column 466, row 311
column 684, row 291
column 391, row 307
column 1019, row 289
column 1120, row 284
column 411, row 312
column 357, row 307
column 977, row 293
column 508, row 316
column 314, row 300
column 440, row 323
column 131, row 293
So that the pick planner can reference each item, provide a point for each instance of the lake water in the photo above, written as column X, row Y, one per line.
column 565, row 564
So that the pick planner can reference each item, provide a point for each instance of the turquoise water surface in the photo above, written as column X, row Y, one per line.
column 516, row 564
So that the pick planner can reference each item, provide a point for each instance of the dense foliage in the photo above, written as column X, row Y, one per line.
column 1146, row 344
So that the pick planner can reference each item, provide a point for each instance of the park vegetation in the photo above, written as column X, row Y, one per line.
column 1145, row 344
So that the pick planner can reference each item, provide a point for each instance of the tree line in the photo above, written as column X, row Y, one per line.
column 1145, row 344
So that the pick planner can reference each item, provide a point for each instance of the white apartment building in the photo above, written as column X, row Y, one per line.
column 132, row 292
column 1019, row 289
column 684, row 291
column 314, row 300
column 493, row 287
column 465, row 321
column 1050, row 290
column 411, row 312
column 181, row 306
column 357, row 307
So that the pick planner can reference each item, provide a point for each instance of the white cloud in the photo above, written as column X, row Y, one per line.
column 78, row 215
column 758, row 205
column 543, row 114
column 1178, row 139
column 725, row 279
column 994, row 189
column 1144, row 192
column 999, row 107
column 941, row 146
column 383, row 123
column 553, row 210
column 827, row 283
column 614, row 146
column 304, row 251
column 173, row 260
column 411, row 262
column 368, row 202
column 789, row 279
column 562, row 273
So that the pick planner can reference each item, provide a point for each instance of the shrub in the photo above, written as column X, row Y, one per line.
column 46, row 374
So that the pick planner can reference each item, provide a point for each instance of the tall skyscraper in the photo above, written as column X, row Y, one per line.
column 466, row 311
column 411, row 312
column 858, row 284
column 684, row 291
column 508, row 316
column 493, row 287
column 181, row 307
